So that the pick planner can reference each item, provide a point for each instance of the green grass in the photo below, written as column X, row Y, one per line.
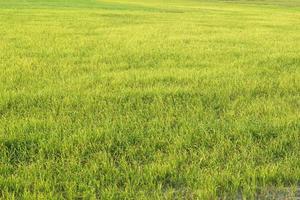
column 148, row 99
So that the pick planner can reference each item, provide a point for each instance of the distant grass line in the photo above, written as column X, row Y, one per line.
column 149, row 99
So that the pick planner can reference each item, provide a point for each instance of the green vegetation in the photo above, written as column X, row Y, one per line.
column 148, row 99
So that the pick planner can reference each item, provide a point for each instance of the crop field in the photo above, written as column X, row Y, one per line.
column 149, row 99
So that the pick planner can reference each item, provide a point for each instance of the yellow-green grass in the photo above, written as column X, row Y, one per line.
column 149, row 99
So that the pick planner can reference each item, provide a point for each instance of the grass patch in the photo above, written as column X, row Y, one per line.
column 149, row 99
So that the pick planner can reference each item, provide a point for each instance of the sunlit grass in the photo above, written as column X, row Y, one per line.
column 148, row 99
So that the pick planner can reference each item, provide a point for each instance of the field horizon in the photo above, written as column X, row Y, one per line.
column 128, row 99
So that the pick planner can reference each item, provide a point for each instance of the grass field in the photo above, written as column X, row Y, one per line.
column 141, row 99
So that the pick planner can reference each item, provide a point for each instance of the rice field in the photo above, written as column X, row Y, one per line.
column 149, row 99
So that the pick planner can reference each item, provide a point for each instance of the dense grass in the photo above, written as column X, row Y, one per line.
column 148, row 99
